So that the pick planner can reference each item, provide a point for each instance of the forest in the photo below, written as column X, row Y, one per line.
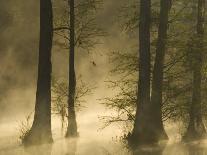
column 103, row 77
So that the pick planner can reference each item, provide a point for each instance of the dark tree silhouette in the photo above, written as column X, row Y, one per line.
column 148, row 126
column 157, row 81
column 41, row 128
column 142, row 131
column 72, row 124
column 196, row 128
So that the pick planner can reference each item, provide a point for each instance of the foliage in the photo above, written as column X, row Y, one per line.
column 177, row 68
column 25, row 126
column 60, row 96
column 87, row 32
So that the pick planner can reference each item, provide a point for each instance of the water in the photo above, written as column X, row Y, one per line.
column 88, row 147
column 92, row 140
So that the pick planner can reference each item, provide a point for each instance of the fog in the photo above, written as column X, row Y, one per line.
column 19, row 32
column 91, row 141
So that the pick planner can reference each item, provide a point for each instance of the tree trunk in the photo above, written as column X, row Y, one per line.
column 72, row 124
column 142, row 132
column 157, row 81
column 196, row 128
column 41, row 128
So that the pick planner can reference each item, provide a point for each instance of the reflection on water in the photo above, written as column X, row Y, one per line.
column 39, row 150
column 90, row 142
column 87, row 147
column 154, row 150
column 196, row 150
column 65, row 147
column 72, row 147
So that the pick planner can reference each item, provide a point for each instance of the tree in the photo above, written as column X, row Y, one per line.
column 196, row 128
column 157, row 81
column 87, row 32
column 72, row 124
column 60, row 97
column 143, row 131
column 80, row 31
column 40, row 131
column 177, row 79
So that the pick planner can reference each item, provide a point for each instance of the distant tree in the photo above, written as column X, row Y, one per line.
column 72, row 124
column 196, row 128
column 40, row 131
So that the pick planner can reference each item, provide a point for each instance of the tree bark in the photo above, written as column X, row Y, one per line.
column 142, row 132
column 196, row 128
column 41, row 128
column 72, row 124
column 157, row 81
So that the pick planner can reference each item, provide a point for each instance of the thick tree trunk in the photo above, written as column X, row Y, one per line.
column 196, row 128
column 41, row 128
column 143, row 131
column 72, row 124
column 157, row 81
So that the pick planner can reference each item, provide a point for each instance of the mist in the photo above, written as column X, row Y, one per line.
column 19, row 40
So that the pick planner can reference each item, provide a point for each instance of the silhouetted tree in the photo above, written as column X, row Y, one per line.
column 40, row 131
column 72, row 124
column 143, row 131
column 157, row 81
column 177, row 79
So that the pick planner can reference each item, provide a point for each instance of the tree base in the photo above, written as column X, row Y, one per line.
column 37, row 137
column 147, row 136
column 163, row 135
column 147, row 130
column 192, row 134
column 72, row 131
column 70, row 134
column 135, row 139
